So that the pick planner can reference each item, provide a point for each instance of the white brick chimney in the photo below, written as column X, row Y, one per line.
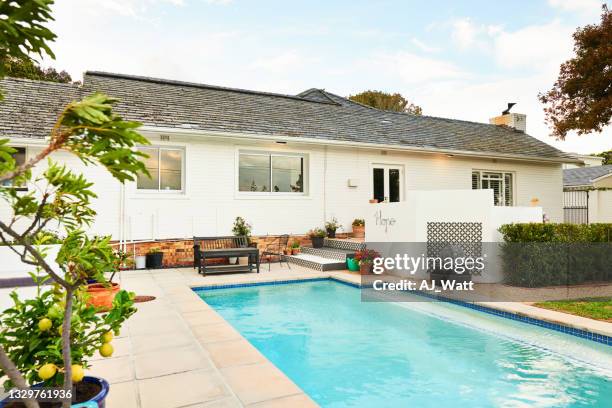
column 517, row 121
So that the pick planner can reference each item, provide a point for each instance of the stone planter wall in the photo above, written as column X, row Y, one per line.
column 179, row 252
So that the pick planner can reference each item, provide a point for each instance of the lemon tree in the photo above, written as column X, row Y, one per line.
column 50, row 338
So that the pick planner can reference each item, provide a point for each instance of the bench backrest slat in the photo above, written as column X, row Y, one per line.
column 205, row 243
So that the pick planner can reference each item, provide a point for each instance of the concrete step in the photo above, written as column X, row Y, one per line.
column 316, row 262
column 328, row 252
column 344, row 244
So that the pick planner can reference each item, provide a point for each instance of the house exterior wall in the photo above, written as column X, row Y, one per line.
column 211, row 202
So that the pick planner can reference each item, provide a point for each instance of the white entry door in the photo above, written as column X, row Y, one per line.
column 387, row 183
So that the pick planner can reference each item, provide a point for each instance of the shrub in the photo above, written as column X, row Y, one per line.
column 317, row 233
column 241, row 228
column 358, row 222
column 536, row 255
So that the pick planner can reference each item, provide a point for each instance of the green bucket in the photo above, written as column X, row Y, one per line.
column 352, row 264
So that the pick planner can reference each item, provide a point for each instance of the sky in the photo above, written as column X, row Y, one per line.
column 456, row 59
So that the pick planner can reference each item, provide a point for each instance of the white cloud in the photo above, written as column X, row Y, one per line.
column 424, row 47
column 467, row 34
column 585, row 7
column 538, row 46
column 219, row 2
column 409, row 68
column 279, row 63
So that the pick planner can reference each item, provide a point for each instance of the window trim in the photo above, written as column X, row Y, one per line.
column 272, row 194
column 182, row 191
column 26, row 152
column 503, row 174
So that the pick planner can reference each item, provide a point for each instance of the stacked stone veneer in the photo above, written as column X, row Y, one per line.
column 179, row 252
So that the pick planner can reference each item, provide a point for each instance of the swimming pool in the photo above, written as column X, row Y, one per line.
column 346, row 353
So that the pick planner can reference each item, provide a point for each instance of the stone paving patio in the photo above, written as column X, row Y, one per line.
column 178, row 352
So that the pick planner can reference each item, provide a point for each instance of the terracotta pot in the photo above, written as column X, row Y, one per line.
column 365, row 268
column 374, row 201
column 358, row 231
column 295, row 251
column 101, row 296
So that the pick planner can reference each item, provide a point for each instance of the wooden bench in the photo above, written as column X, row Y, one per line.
column 224, row 247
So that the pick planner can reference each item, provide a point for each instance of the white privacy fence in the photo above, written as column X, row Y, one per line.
column 456, row 216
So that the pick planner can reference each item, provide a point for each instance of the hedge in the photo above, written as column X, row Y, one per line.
column 537, row 255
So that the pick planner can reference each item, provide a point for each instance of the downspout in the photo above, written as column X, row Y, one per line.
column 324, row 183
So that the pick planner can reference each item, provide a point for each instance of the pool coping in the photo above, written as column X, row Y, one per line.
column 557, row 321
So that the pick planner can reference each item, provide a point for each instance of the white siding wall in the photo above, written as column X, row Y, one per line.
column 210, row 202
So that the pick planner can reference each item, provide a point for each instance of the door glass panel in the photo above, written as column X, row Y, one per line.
column 394, row 185
column 379, row 184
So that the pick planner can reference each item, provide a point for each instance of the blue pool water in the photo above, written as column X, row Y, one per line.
column 346, row 353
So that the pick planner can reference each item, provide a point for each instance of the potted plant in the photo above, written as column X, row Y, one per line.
column 242, row 228
column 102, row 294
column 366, row 258
column 317, row 236
column 358, row 228
column 351, row 263
column 295, row 247
column 155, row 258
column 331, row 226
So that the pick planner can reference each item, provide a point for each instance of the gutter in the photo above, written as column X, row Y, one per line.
column 377, row 146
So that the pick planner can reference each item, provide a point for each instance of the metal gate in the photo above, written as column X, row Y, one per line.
column 576, row 206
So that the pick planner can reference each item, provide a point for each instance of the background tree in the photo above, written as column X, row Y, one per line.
column 386, row 101
column 581, row 99
column 22, row 32
column 607, row 157
column 16, row 67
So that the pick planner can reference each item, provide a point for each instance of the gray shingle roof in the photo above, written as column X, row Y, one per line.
column 313, row 114
column 584, row 176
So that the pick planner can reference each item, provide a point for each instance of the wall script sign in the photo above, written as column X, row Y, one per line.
column 384, row 222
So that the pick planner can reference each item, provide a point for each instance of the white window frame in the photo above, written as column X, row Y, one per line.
column 387, row 165
column 183, row 168
column 272, row 194
column 503, row 174
column 26, row 156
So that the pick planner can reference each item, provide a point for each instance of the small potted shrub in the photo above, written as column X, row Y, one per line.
column 155, row 258
column 102, row 294
column 295, row 247
column 242, row 228
column 351, row 263
column 366, row 258
column 317, row 236
column 358, row 228
column 331, row 226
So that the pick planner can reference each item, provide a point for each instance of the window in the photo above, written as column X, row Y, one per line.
column 20, row 158
column 501, row 184
column 270, row 172
column 165, row 166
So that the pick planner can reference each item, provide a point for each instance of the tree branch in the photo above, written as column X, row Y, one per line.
column 41, row 262
column 13, row 373
column 66, row 354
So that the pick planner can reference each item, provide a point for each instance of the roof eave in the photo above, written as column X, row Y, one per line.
column 270, row 137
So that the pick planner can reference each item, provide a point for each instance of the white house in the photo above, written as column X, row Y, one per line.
column 286, row 163
column 588, row 194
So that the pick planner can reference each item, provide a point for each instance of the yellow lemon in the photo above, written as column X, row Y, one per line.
column 107, row 337
column 77, row 373
column 47, row 371
column 106, row 350
column 44, row 324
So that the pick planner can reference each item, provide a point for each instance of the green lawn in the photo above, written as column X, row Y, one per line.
column 594, row 308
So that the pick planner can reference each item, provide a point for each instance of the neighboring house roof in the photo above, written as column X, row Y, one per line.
column 585, row 176
column 313, row 114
